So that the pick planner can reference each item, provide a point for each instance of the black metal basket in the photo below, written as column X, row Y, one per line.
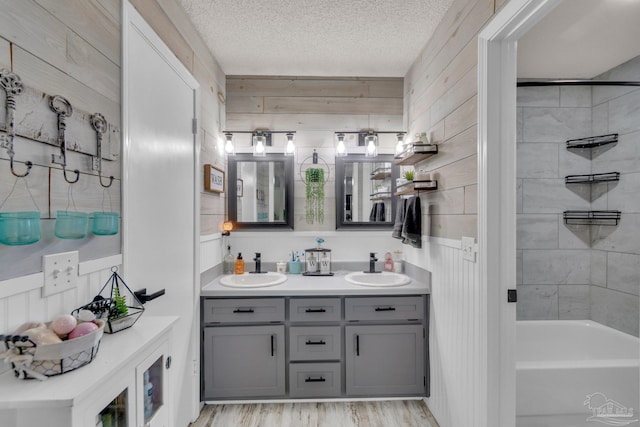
column 116, row 304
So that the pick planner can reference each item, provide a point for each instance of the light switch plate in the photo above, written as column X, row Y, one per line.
column 60, row 272
column 469, row 249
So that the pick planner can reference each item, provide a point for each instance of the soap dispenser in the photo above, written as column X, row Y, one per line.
column 239, row 268
column 228, row 264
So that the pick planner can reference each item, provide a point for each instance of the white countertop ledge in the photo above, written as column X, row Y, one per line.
column 299, row 285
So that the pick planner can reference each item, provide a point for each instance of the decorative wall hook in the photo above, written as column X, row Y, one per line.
column 12, row 85
column 63, row 109
column 100, row 126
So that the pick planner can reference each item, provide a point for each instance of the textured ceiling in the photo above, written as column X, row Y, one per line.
column 316, row 37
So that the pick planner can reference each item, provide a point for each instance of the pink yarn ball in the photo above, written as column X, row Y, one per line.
column 82, row 329
column 63, row 324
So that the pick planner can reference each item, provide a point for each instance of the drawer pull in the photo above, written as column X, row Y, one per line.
column 357, row 345
column 385, row 309
column 321, row 342
column 240, row 310
column 315, row 380
column 315, row 310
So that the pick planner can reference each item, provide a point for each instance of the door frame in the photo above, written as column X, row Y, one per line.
column 130, row 16
column 497, row 61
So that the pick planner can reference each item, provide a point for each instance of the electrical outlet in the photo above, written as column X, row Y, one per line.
column 469, row 249
column 60, row 272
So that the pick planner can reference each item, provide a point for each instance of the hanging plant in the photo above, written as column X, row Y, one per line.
column 314, row 178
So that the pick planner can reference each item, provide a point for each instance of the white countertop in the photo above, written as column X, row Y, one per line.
column 299, row 285
column 115, row 351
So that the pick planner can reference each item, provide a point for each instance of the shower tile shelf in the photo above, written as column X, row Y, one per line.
column 415, row 153
column 414, row 187
column 592, row 178
column 609, row 218
column 593, row 141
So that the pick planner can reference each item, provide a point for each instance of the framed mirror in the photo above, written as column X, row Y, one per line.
column 260, row 191
column 364, row 191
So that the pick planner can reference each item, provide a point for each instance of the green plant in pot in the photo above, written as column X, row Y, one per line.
column 314, row 179
column 408, row 175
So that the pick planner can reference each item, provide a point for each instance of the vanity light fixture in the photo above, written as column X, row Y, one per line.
column 341, row 149
column 228, row 147
column 289, row 148
column 400, row 144
column 371, row 146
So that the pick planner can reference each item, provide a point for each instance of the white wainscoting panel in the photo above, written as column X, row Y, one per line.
column 454, row 331
column 21, row 298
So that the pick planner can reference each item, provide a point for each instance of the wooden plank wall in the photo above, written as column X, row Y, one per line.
column 69, row 48
column 169, row 20
column 315, row 108
column 441, row 99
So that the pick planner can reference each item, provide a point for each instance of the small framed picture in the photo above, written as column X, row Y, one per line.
column 239, row 187
column 213, row 179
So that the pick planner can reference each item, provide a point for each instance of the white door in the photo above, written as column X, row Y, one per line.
column 160, row 202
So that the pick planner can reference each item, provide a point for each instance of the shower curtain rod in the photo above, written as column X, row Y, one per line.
column 577, row 83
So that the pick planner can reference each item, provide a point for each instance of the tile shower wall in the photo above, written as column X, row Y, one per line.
column 579, row 272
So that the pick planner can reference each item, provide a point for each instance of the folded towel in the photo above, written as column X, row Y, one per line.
column 412, row 224
column 380, row 212
column 397, row 226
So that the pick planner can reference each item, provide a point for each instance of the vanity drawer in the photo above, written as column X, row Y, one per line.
column 314, row 379
column 243, row 310
column 314, row 309
column 314, row 343
column 384, row 308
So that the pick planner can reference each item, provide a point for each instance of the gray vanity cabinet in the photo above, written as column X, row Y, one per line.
column 314, row 347
column 384, row 360
column 244, row 361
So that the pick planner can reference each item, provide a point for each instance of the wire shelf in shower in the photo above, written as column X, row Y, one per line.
column 593, row 141
column 609, row 218
column 592, row 178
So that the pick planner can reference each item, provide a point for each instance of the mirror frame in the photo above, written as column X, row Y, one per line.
column 232, row 201
column 340, row 167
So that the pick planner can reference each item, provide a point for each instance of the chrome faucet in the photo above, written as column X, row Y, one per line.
column 258, row 264
column 372, row 263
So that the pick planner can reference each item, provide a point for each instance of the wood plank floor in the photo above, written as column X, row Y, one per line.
column 397, row 413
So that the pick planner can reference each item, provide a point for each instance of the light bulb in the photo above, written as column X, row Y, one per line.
column 290, row 148
column 259, row 149
column 400, row 144
column 228, row 147
column 371, row 150
column 341, row 149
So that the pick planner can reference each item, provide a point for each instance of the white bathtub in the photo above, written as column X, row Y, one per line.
column 561, row 362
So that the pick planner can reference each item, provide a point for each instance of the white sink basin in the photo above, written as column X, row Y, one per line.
column 249, row 280
column 383, row 279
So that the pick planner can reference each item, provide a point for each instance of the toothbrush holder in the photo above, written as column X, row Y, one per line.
column 295, row 267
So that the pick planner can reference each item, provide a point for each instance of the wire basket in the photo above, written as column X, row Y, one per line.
column 32, row 361
column 116, row 304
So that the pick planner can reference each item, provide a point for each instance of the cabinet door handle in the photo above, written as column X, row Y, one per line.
column 315, row 310
column 273, row 350
column 357, row 345
column 321, row 342
column 385, row 309
column 241, row 310
column 315, row 380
